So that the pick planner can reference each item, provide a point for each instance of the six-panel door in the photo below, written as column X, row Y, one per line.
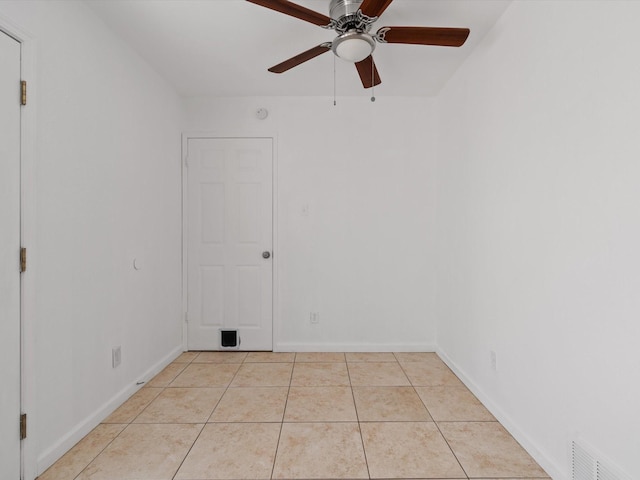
column 230, row 215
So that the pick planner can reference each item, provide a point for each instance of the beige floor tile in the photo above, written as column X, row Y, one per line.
column 455, row 404
column 427, row 374
column 143, row 452
column 270, row 357
column 251, row 404
column 81, row 455
column 186, row 357
column 320, row 404
column 416, row 356
column 320, row 375
column 166, row 376
column 206, row 375
column 430, row 359
column 320, row 437
column 130, row 409
column 408, row 450
column 377, row 374
column 263, row 375
column 181, row 405
column 389, row 404
column 370, row 357
column 320, row 451
column 220, row 357
column 232, row 451
column 322, row 357
column 485, row 449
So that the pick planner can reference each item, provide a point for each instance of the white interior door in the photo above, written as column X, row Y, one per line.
column 229, row 246
column 9, row 257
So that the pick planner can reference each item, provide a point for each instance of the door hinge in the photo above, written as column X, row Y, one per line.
column 23, row 259
column 23, row 426
column 23, row 92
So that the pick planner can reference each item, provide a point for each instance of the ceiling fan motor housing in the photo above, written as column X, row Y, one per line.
column 345, row 15
column 340, row 8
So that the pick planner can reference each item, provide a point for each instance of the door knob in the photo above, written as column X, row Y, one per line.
column 266, row 254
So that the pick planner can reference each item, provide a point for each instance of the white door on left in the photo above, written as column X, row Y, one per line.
column 9, row 257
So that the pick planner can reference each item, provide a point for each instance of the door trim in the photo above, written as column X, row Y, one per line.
column 29, row 461
column 275, row 309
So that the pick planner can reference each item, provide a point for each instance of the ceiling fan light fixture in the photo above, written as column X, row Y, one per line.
column 353, row 46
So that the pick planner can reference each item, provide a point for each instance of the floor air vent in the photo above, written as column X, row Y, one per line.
column 587, row 464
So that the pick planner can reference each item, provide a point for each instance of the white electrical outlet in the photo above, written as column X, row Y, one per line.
column 494, row 361
column 116, row 356
column 314, row 318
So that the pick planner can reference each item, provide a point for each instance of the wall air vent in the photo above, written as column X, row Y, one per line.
column 605, row 473
column 584, row 465
column 588, row 464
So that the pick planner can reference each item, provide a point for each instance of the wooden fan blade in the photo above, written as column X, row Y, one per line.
column 445, row 37
column 294, row 10
column 374, row 8
column 298, row 59
column 365, row 69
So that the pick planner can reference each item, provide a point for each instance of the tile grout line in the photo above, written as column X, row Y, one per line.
column 450, row 448
column 355, row 407
column 207, row 420
column 284, row 412
column 197, row 436
column 126, row 424
column 188, row 451
column 98, row 454
column 186, row 364
column 435, row 423
column 148, row 404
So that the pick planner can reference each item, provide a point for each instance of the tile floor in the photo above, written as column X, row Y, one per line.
column 237, row 415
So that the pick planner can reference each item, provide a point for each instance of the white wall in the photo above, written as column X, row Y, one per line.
column 539, row 227
column 362, row 254
column 538, row 222
column 107, row 189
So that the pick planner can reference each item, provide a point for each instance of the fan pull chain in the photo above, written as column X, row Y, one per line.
column 373, row 81
column 334, row 81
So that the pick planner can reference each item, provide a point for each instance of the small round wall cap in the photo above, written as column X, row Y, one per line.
column 262, row 113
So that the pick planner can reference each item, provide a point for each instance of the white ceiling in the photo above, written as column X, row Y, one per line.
column 224, row 47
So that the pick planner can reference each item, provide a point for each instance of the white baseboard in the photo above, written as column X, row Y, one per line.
column 53, row 453
column 353, row 347
column 555, row 472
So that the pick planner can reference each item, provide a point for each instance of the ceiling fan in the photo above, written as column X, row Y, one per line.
column 352, row 21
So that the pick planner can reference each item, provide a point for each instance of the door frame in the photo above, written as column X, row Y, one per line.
column 28, row 454
column 275, row 308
